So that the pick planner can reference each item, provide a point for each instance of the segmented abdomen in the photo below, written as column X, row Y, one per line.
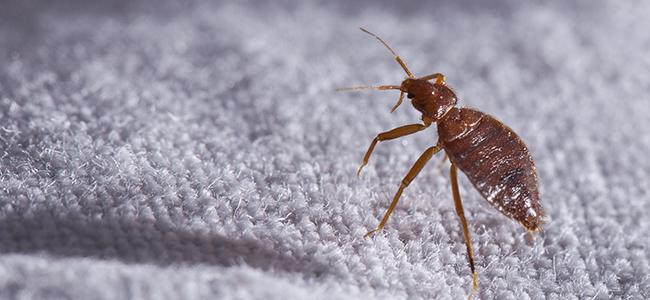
column 496, row 161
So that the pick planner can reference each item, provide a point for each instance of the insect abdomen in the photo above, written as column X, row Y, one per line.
column 496, row 161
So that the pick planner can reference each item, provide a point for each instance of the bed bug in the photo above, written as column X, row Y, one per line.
column 491, row 155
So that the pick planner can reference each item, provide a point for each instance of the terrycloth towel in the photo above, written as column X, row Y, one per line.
column 190, row 150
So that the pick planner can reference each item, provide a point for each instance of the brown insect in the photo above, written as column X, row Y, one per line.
column 490, row 154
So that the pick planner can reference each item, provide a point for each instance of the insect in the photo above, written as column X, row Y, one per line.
column 491, row 155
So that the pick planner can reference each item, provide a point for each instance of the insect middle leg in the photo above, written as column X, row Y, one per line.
column 389, row 135
column 461, row 214
column 415, row 169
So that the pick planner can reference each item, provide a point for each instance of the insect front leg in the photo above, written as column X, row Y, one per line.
column 415, row 170
column 440, row 79
column 389, row 135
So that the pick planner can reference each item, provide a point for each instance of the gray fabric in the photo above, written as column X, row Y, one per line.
column 157, row 150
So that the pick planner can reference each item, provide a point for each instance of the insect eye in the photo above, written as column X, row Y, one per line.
column 410, row 95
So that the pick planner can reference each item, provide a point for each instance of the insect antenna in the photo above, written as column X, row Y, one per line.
column 381, row 88
column 366, row 87
column 397, row 58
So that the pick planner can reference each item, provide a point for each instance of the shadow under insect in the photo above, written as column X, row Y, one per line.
column 141, row 241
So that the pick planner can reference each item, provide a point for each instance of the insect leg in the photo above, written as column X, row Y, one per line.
column 440, row 79
column 415, row 169
column 389, row 135
column 461, row 214
column 399, row 101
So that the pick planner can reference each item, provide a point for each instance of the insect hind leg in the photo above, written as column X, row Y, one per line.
column 461, row 214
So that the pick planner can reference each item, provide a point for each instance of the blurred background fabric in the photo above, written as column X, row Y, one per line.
column 197, row 150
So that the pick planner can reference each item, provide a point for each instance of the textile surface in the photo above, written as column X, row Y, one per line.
column 190, row 150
